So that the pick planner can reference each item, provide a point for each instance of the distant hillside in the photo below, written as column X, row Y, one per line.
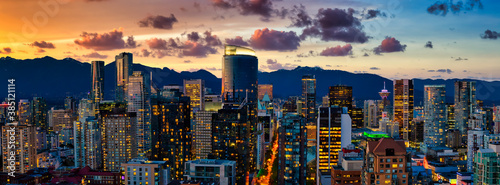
column 55, row 79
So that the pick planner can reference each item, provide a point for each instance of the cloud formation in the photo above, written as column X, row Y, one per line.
column 443, row 7
column 158, row 21
column 95, row 55
column 428, row 44
column 299, row 16
column 6, row 50
column 238, row 41
column 337, row 51
column 266, row 39
column 488, row 34
column 374, row 68
column 336, row 25
column 106, row 41
column 43, row 44
column 263, row 8
column 388, row 45
column 370, row 14
column 449, row 71
column 274, row 65
column 195, row 46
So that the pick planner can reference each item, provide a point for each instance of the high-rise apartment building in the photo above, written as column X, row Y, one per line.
column 138, row 101
column 24, row 112
column 435, row 123
column 465, row 104
column 370, row 114
column 309, row 98
column 124, row 68
column 143, row 171
column 39, row 112
column 292, row 150
column 487, row 166
column 171, row 131
column 403, row 106
column 18, row 148
column 119, row 143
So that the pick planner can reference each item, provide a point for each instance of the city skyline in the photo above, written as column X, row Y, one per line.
column 459, row 45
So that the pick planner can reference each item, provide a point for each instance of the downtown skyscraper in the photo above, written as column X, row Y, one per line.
column 97, row 93
column 124, row 70
column 465, row 105
column 195, row 90
column 403, row 106
column 309, row 98
column 292, row 150
column 435, row 116
column 138, row 101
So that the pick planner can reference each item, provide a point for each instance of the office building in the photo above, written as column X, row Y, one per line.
column 39, row 113
column 309, row 98
column 450, row 117
column 292, row 150
column 143, row 171
column 70, row 104
column 239, row 75
column 350, row 167
column 341, row 96
column 435, row 116
column 465, row 104
column 266, row 89
column 171, row 133
column 124, row 68
column 97, row 93
column 403, row 106
column 453, row 139
column 221, row 172
column 416, row 132
column 138, row 101
column 119, row 144
column 195, row 90
column 386, row 162
column 18, row 148
column 333, row 133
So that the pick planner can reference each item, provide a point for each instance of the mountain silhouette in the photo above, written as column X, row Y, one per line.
column 55, row 79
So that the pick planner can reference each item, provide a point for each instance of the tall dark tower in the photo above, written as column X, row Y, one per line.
column 124, row 69
column 97, row 93
column 403, row 106
column 239, row 94
column 239, row 75
column 309, row 98
column 384, row 104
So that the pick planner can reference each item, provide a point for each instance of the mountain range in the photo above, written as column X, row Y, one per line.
column 55, row 79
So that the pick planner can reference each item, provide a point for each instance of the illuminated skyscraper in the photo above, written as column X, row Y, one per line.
column 309, row 98
column 24, row 112
column 170, row 129
column 333, row 133
column 60, row 119
column 341, row 96
column 465, row 104
column 70, row 104
column 403, row 106
column 266, row 89
column 87, row 140
column 231, row 139
column 239, row 87
column 39, row 112
column 239, row 75
column 384, row 105
column 19, row 140
column 292, row 150
column 124, row 70
column 450, row 116
column 370, row 114
column 97, row 93
column 119, row 143
column 138, row 101
column 195, row 90
column 435, row 123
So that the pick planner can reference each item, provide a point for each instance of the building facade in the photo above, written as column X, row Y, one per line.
column 386, row 162
column 403, row 106
column 18, row 148
column 435, row 123
column 221, row 172
column 292, row 150
column 309, row 98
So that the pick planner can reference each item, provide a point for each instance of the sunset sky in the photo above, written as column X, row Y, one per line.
column 392, row 38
